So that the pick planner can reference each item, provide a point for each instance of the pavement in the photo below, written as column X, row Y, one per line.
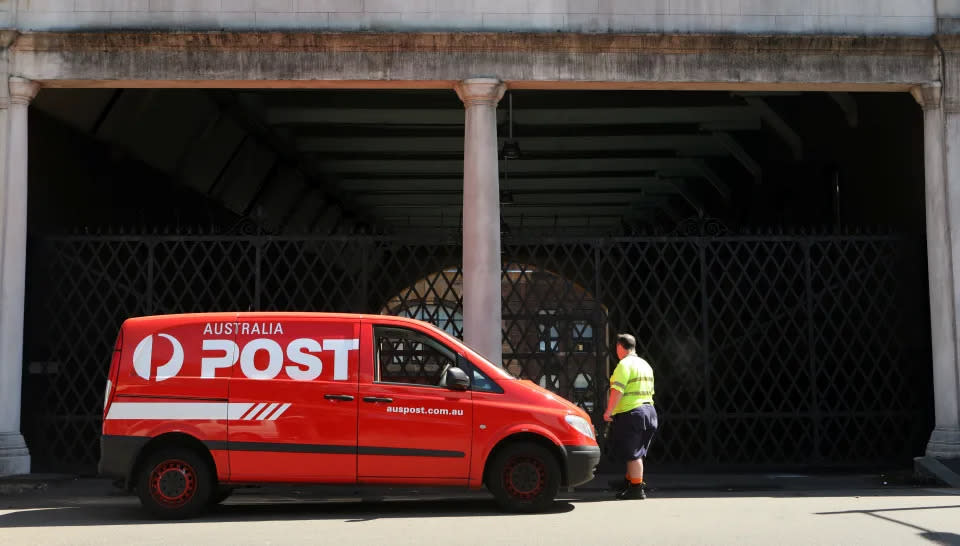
column 753, row 508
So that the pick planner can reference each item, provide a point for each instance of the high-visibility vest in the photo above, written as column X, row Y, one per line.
column 634, row 378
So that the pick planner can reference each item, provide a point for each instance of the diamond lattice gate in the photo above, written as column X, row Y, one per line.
column 773, row 350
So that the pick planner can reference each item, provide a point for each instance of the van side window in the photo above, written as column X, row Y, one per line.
column 409, row 357
column 480, row 382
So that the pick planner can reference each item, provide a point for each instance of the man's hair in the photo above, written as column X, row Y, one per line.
column 627, row 341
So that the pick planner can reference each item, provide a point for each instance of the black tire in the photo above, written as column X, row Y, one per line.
column 524, row 477
column 220, row 494
column 175, row 483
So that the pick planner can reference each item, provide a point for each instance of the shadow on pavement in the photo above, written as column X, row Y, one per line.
column 950, row 539
column 130, row 513
column 888, row 515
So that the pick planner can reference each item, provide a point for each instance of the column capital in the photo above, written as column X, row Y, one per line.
column 22, row 90
column 475, row 91
column 927, row 95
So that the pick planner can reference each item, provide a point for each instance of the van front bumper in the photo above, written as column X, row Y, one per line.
column 582, row 462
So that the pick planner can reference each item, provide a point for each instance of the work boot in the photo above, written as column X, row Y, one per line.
column 632, row 492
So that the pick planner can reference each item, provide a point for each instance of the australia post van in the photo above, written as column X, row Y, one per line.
column 198, row 404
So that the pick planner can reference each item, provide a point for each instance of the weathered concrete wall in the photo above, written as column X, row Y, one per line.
column 439, row 59
column 897, row 17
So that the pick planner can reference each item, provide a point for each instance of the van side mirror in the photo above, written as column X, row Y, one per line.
column 456, row 380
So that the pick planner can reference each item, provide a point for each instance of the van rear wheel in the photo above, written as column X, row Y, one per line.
column 175, row 483
column 524, row 477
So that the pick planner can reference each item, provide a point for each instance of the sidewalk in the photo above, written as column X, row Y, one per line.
column 762, row 481
column 702, row 509
column 55, row 484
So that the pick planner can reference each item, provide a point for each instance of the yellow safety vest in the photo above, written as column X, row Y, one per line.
column 634, row 378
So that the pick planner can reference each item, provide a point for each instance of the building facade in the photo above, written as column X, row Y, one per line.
column 686, row 58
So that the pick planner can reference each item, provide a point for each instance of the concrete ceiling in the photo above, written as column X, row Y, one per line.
column 591, row 163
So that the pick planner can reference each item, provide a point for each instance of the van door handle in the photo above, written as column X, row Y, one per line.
column 374, row 399
column 344, row 397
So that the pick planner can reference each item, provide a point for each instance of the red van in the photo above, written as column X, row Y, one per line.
column 198, row 404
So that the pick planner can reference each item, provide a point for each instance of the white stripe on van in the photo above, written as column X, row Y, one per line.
column 235, row 410
column 267, row 411
column 254, row 411
column 194, row 410
column 166, row 410
column 279, row 412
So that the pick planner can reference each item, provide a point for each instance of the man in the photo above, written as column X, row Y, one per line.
column 630, row 408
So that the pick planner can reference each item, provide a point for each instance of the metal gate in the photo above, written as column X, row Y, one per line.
column 777, row 350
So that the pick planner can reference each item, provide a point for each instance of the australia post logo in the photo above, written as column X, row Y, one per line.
column 300, row 359
column 143, row 358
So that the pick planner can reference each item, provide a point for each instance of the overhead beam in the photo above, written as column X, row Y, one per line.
column 514, row 220
column 279, row 115
column 630, row 116
column 374, row 167
column 770, row 93
column 420, row 60
column 716, row 181
column 737, row 151
column 519, row 191
column 671, row 167
column 650, row 187
column 105, row 112
column 584, row 197
column 777, row 123
column 539, row 208
column 685, row 190
column 247, row 111
column 696, row 144
column 848, row 105
column 738, row 125
column 700, row 169
column 348, row 130
column 513, row 183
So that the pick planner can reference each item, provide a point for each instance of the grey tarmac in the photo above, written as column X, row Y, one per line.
column 680, row 515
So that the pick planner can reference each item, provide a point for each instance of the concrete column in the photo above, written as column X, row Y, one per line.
column 943, row 222
column 481, row 218
column 14, row 457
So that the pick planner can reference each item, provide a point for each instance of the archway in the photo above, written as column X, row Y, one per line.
column 554, row 330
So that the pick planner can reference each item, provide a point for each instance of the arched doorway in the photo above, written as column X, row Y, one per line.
column 553, row 328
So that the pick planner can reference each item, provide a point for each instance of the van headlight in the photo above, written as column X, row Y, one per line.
column 581, row 425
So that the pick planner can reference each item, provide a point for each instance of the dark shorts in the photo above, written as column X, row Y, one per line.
column 632, row 433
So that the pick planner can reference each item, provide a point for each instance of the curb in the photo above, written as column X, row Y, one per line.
column 934, row 468
column 33, row 483
column 26, row 484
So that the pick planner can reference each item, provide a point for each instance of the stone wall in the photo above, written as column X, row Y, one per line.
column 891, row 17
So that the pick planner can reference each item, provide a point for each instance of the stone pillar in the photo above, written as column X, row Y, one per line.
column 14, row 457
column 481, row 218
column 943, row 248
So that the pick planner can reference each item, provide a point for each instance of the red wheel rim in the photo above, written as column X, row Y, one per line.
column 173, row 483
column 524, row 477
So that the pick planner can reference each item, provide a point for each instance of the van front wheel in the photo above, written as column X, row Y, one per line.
column 174, row 483
column 524, row 477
